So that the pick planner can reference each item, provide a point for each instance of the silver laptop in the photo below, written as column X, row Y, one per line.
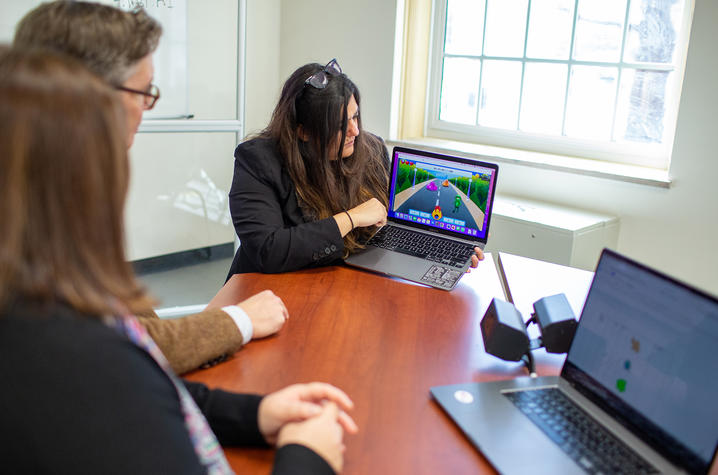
column 642, row 367
column 439, row 210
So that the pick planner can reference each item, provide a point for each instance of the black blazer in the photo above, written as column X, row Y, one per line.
column 274, row 234
column 79, row 397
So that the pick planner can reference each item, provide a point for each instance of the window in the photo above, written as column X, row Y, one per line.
column 586, row 78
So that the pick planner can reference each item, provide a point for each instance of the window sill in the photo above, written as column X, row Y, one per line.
column 580, row 166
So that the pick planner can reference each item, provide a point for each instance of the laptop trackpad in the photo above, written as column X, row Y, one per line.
column 407, row 267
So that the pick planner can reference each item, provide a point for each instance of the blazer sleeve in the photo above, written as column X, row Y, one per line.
column 233, row 419
column 192, row 341
column 299, row 460
column 273, row 234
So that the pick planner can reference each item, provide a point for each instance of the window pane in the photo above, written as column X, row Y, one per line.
column 505, row 28
column 550, row 28
column 599, row 30
column 459, row 88
column 641, row 110
column 652, row 29
column 591, row 96
column 464, row 27
column 500, row 92
column 572, row 77
column 543, row 98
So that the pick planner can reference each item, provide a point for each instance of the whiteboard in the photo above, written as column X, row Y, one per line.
column 168, row 163
column 170, row 59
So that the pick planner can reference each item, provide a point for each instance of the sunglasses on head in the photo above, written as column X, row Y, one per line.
column 320, row 79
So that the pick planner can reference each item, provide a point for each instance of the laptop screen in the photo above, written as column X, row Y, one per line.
column 450, row 195
column 645, row 350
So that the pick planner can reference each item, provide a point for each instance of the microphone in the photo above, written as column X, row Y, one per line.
column 504, row 331
column 556, row 322
column 505, row 336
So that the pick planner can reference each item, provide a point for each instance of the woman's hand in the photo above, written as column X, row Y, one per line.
column 300, row 402
column 266, row 311
column 322, row 433
column 369, row 213
column 476, row 257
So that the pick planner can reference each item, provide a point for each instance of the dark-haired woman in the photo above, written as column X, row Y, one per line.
column 312, row 186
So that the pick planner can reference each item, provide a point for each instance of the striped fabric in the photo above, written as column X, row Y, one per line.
column 203, row 439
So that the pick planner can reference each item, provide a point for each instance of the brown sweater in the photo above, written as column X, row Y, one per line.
column 189, row 342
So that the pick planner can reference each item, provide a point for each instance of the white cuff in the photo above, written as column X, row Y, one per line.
column 241, row 319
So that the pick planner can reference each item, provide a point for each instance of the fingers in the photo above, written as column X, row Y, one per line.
column 266, row 311
column 302, row 410
column 330, row 411
column 370, row 213
column 326, row 394
column 322, row 434
column 317, row 392
column 283, row 309
column 476, row 257
column 347, row 423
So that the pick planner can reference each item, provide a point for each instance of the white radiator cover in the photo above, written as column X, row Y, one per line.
column 550, row 232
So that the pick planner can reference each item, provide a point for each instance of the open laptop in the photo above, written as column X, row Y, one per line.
column 642, row 365
column 439, row 210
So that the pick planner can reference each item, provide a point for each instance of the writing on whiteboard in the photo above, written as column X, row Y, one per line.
column 146, row 4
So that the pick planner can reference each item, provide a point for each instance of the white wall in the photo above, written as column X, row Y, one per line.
column 359, row 34
column 262, row 63
column 675, row 230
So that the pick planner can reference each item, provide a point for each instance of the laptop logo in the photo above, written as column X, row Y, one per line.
column 464, row 397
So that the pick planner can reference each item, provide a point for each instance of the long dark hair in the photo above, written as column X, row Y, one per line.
column 63, row 179
column 327, row 184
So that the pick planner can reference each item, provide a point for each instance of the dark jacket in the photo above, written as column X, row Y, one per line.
column 79, row 397
column 274, row 234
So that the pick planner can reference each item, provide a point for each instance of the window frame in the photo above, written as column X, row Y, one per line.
column 650, row 156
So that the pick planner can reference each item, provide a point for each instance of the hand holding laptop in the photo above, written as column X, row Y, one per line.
column 478, row 256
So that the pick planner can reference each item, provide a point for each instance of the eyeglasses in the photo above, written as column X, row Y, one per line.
column 150, row 96
column 319, row 80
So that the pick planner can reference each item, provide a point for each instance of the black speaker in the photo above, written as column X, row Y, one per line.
column 504, row 331
column 556, row 322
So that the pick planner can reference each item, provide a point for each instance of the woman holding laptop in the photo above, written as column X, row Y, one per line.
column 312, row 187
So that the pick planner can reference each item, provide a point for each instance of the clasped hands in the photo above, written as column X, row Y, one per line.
column 313, row 415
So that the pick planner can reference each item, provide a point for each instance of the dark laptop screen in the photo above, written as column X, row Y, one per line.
column 447, row 194
column 645, row 349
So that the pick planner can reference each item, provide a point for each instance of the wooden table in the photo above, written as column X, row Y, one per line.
column 385, row 342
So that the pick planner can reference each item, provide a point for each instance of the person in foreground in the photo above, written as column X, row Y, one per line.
column 118, row 46
column 88, row 390
column 312, row 187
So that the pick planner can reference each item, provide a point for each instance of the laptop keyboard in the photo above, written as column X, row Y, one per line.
column 425, row 246
column 583, row 439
